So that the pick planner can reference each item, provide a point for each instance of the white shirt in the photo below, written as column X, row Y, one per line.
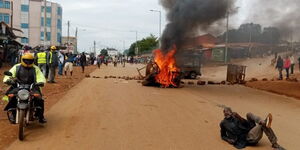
column 292, row 60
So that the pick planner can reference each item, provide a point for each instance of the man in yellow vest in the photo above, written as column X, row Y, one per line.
column 41, row 59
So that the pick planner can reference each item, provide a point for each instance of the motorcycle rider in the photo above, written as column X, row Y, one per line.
column 26, row 73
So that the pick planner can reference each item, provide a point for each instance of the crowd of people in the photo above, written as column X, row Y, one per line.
column 286, row 64
column 53, row 61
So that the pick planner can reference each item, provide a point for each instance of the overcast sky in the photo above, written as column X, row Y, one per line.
column 110, row 22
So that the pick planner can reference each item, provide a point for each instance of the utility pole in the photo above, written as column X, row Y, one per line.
column 95, row 48
column 250, row 40
column 123, row 45
column 226, row 41
column 12, row 14
column 76, row 36
column 292, row 40
column 137, row 46
column 68, row 42
column 159, row 22
column 45, row 23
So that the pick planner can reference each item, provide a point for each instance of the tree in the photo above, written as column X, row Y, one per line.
column 250, row 32
column 144, row 45
column 270, row 35
column 104, row 52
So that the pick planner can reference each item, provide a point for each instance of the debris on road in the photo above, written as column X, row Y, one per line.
column 201, row 82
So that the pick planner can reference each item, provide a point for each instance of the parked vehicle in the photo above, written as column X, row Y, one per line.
column 190, row 63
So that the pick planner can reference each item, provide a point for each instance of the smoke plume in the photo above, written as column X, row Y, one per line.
column 187, row 16
column 283, row 14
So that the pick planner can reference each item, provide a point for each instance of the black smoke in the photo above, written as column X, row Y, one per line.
column 283, row 14
column 188, row 16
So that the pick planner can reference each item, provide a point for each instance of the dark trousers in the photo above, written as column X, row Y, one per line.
column 82, row 67
column 287, row 72
column 52, row 73
column 60, row 68
column 98, row 63
column 292, row 68
column 280, row 73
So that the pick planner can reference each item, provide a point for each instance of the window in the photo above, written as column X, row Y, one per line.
column 24, row 25
column 49, row 9
column 48, row 36
column 5, row 18
column 7, row 4
column 59, row 24
column 42, row 21
column 48, row 22
column 42, row 36
column 59, row 11
column 25, row 8
column 24, row 40
column 59, row 37
column 1, row 4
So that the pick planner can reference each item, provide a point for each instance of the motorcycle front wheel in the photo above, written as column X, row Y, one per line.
column 21, row 124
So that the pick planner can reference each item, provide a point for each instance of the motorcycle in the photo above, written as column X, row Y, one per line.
column 26, row 111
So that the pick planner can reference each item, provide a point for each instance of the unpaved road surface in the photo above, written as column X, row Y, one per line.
column 112, row 114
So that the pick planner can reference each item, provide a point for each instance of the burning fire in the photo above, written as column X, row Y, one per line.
column 168, row 70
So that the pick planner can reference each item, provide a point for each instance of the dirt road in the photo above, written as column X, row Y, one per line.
column 112, row 114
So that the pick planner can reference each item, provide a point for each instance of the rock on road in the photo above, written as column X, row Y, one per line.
column 109, row 114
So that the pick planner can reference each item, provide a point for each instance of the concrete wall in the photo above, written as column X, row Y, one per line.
column 17, row 17
column 33, row 18
column 34, row 23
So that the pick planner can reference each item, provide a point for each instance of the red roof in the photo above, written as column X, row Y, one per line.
column 206, row 41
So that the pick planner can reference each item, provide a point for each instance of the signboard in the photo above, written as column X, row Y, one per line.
column 218, row 54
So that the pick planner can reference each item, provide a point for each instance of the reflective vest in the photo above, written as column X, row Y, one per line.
column 42, row 57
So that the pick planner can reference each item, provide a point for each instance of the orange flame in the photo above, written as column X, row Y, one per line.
column 168, row 70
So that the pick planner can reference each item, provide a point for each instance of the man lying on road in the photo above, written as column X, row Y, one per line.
column 241, row 132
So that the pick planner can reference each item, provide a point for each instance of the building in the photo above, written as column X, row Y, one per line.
column 28, row 15
column 112, row 52
column 6, row 11
column 72, row 47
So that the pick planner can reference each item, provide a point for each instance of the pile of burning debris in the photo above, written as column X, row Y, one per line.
column 163, row 72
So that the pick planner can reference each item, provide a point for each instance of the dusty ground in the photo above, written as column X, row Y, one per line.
column 113, row 114
column 258, row 68
column 52, row 94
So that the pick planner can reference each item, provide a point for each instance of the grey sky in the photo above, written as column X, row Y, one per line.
column 109, row 22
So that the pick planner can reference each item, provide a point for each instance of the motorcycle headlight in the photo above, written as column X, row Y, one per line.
column 23, row 94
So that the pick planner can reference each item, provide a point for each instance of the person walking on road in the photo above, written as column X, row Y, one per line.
column 82, row 61
column 287, row 66
column 98, row 61
column 69, row 64
column 279, row 66
column 242, row 132
column 53, row 64
column 41, row 59
column 299, row 63
column 292, row 58
column 61, row 62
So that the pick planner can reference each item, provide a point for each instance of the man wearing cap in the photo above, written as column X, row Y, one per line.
column 53, row 64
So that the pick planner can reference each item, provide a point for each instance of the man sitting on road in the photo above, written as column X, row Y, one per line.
column 241, row 132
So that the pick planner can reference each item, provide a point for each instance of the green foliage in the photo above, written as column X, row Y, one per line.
column 104, row 52
column 250, row 32
column 144, row 45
